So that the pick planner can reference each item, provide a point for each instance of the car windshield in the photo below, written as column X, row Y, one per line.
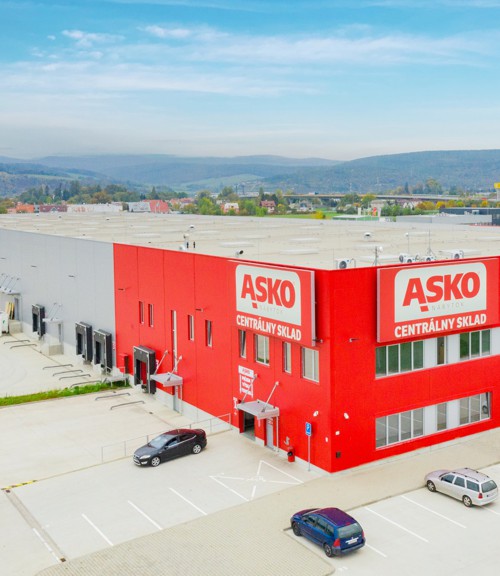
column 350, row 530
column 160, row 441
column 489, row 485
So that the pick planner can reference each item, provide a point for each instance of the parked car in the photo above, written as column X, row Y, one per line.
column 470, row 486
column 170, row 445
column 331, row 528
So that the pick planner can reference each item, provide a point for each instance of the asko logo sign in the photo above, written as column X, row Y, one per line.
column 420, row 301
column 275, row 301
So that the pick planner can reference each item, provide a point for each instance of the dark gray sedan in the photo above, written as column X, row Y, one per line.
column 170, row 445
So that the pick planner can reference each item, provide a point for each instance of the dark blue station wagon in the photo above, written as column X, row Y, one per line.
column 331, row 528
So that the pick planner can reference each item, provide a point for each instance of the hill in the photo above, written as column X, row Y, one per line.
column 474, row 170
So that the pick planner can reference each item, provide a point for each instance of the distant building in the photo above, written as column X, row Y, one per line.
column 230, row 207
column 269, row 205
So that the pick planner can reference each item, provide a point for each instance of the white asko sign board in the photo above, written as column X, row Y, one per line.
column 275, row 295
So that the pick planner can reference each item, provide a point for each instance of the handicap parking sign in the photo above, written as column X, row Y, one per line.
column 308, row 429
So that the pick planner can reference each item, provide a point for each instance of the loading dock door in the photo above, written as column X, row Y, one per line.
column 84, row 340
column 38, row 316
column 102, row 350
column 144, row 368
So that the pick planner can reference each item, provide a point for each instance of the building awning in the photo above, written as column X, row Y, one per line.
column 259, row 409
column 167, row 379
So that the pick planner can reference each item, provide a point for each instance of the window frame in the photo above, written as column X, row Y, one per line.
column 261, row 343
column 310, row 369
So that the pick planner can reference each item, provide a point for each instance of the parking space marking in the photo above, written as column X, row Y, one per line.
column 434, row 512
column 145, row 515
column 296, row 480
column 490, row 510
column 188, row 501
column 398, row 525
column 230, row 489
column 375, row 550
column 97, row 529
column 46, row 544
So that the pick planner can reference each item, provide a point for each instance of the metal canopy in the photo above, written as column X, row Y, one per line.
column 259, row 409
column 167, row 379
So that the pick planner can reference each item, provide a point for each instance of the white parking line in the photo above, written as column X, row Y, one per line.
column 46, row 545
column 97, row 530
column 278, row 470
column 490, row 510
column 398, row 525
column 188, row 501
column 230, row 489
column 434, row 512
column 375, row 550
column 145, row 515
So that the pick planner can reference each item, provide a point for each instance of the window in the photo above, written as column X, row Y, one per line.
column 242, row 341
column 399, row 427
column 474, row 408
column 459, row 481
column 474, row 344
column 141, row 312
column 287, row 357
column 310, row 364
column 398, row 358
column 440, row 350
column 173, row 318
column 150, row 315
column 441, row 414
column 208, row 333
column 190, row 327
column 262, row 349
column 396, row 428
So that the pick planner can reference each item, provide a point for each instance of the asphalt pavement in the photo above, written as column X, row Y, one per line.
column 250, row 538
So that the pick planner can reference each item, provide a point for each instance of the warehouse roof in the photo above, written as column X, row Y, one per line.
column 286, row 241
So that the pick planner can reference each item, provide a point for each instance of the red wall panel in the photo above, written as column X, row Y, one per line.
column 342, row 406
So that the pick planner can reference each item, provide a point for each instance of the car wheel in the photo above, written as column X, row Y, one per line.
column 431, row 486
column 467, row 501
column 196, row 448
column 328, row 550
column 155, row 461
column 296, row 529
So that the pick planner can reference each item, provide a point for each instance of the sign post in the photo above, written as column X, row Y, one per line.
column 308, row 434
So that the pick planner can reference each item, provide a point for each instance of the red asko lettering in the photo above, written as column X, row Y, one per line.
column 442, row 288
column 269, row 290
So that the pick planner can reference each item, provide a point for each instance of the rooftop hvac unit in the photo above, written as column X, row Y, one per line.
column 457, row 254
column 406, row 258
column 342, row 263
column 429, row 258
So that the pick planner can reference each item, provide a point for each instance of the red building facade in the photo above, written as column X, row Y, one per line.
column 338, row 367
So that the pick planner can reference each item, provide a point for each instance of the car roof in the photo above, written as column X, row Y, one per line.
column 336, row 516
column 177, row 431
column 470, row 473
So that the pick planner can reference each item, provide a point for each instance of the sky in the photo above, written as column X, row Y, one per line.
column 334, row 79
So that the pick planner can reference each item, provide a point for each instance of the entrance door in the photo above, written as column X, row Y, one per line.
column 249, row 425
column 270, row 433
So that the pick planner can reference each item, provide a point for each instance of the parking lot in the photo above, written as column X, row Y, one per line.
column 69, row 494
column 104, row 505
column 423, row 532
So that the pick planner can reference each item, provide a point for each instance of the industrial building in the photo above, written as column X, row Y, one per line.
column 335, row 343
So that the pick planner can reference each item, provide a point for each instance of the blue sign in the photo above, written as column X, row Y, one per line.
column 308, row 429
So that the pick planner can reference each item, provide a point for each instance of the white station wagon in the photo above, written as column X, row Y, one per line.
column 465, row 484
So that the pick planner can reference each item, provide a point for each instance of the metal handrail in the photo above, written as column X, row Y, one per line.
column 67, row 371
column 57, row 366
column 75, row 376
column 127, row 403
column 114, row 396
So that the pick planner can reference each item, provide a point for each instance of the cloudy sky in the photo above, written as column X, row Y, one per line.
column 337, row 79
